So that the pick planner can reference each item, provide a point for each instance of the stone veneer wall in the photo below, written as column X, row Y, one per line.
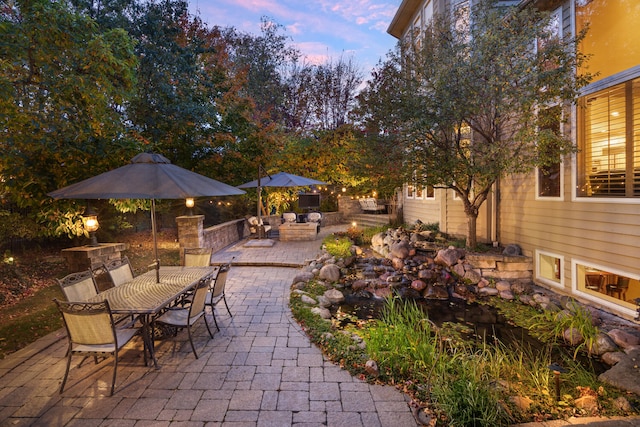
column 192, row 234
column 502, row 267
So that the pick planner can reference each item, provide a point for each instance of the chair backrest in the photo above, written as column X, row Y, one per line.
column 79, row 286
column 289, row 217
column 120, row 271
column 197, row 257
column 314, row 217
column 221, row 280
column 594, row 280
column 199, row 299
column 88, row 323
column 622, row 282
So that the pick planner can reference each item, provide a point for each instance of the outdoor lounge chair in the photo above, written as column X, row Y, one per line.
column 91, row 332
column 217, row 292
column 258, row 227
column 289, row 217
column 186, row 317
column 79, row 286
column 315, row 217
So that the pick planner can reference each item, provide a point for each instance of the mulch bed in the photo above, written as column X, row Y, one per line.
column 32, row 270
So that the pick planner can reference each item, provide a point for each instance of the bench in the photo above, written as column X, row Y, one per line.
column 291, row 231
column 370, row 204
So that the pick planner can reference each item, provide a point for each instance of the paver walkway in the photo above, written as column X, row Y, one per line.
column 259, row 370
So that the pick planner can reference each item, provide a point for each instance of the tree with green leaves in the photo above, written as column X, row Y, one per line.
column 63, row 86
column 472, row 99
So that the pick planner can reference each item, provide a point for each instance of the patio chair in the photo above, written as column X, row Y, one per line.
column 119, row 270
column 315, row 217
column 289, row 217
column 197, row 257
column 79, row 286
column 91, row 331
column 186, row 317
column 258, row 227
column 217, row 292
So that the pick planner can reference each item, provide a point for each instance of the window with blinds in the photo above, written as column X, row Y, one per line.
column 609, row 158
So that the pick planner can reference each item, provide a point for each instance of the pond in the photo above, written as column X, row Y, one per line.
column 484, row 321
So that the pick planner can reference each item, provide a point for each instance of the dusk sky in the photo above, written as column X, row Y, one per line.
column 320, row 29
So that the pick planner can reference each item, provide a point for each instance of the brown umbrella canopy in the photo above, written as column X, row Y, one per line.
column 148, row 176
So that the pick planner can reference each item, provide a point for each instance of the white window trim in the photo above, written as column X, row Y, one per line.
column 601, row 301
column 559, row 198
column 425, row 192
column 538, row 274
column 406, row 192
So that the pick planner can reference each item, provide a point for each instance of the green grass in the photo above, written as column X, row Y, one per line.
column 29, row 319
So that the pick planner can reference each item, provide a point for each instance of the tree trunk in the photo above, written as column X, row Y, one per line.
column 472, row 240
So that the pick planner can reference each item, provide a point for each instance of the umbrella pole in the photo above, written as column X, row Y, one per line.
column 259, row 206
column 155, row 239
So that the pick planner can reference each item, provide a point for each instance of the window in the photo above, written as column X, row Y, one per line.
column 429, row 192
column 549, row 268
column 613, row 28
column 554, row 29
column 605, row 285
column 549, row 177
column 609, row 157
column 410, row 191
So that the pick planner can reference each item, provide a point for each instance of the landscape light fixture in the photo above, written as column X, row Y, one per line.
column 190, row 203
column 557, row 370
column 91, row 224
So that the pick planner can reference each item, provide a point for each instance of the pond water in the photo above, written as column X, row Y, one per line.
column 484, row 320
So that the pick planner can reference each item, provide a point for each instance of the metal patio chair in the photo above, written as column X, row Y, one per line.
column 91, row 331
column 186, row 317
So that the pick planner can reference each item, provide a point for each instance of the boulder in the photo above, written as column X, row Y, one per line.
column 512, row 250
column 488, row 292
column 371, row 367
column 303, row 277
column 472, row 276
column 418, row 285
column 399, row 250
column 503, row 285
column 323, row 301
column 322, row 312
column 449, row 256
column 603, row 344
column 623, row 338
column 436, row 293
column 308, row 300
column 334, row 295
column 613, row 357
column 359, row 285
column 572, row 336
column 507, row 295
column 330, row 273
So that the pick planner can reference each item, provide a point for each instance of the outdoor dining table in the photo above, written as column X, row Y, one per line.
column 145, row 298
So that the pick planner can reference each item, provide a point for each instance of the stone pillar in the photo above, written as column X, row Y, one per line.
column 190, row 232
column 84, row 257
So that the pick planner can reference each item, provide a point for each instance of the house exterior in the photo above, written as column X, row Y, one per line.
column 580, row 220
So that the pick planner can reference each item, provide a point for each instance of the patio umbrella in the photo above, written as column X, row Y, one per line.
column 148, row 176
column 281, row 179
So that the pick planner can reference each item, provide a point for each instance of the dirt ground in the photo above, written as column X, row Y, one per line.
column 24, row 272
